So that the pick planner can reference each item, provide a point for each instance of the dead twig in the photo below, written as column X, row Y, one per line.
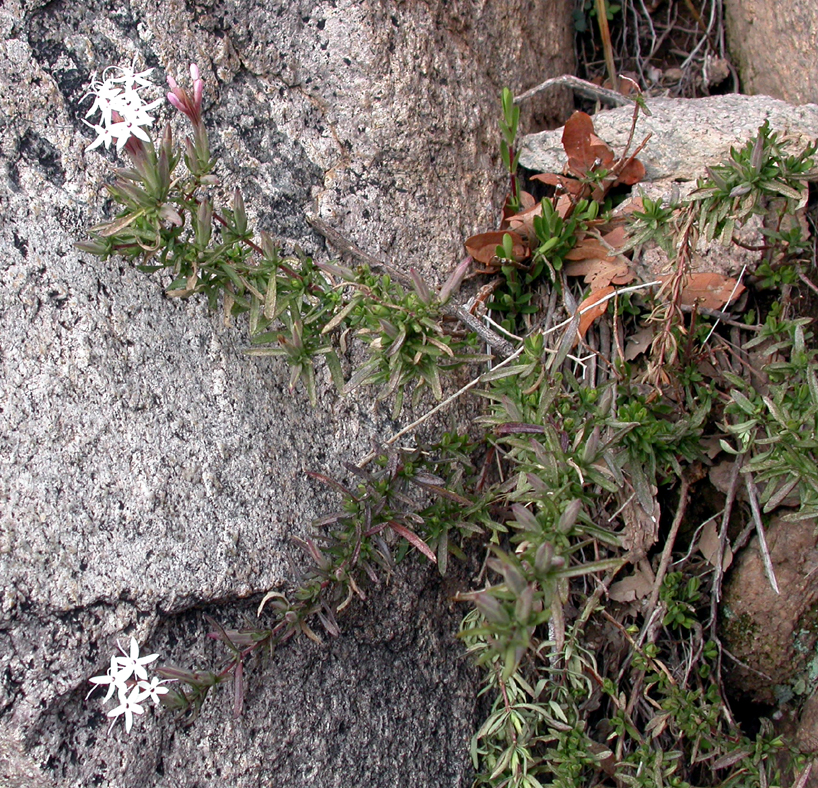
column 715, row 597
column 744, row 665
column 518, row 352
column 715, row 594
column 752, row 493
column 607, row 47
column 667, row 552
column 582, row 87
column 651, row 610
column 804, row 776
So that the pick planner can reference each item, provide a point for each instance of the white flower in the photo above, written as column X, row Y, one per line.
column 153, row 689
column 112, row 679
column 128, row 705
column 132, row 664
column 128, row 677
column 123, row 111
column 129, row 77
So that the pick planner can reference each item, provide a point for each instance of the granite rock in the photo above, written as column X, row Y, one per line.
column 686, row 134
column 775, row 47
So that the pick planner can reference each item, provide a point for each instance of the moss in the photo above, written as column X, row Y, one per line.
column 739, row 630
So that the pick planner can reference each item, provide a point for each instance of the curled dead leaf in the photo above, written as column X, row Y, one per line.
column 595, row 258
column 483, row 247
column 632, row 172
column 576, row 140
column 601, row 273
column 523, row 223
column 570, row 185
column 595, row 300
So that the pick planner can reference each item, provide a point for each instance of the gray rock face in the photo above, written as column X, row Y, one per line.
column 687, row 134
column 774, row 47
column 148, row 470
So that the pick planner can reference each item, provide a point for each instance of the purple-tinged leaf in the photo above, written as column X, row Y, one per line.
column 413, row 539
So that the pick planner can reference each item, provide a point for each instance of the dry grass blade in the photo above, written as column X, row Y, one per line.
column 605, row 33
column 801, row 782
column 752, row 493
column 667, row 552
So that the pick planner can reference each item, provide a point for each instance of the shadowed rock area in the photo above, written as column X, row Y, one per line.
column 149, row 472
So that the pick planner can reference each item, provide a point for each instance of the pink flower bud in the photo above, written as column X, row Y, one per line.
column 194, row 72
column 174, row 100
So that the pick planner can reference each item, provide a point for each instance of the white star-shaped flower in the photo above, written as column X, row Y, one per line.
column 153, row 689
column 123, row 112
column 129, row 705
column 112, row 679
column 132, row 664
column 130, row 77
column 104, row 136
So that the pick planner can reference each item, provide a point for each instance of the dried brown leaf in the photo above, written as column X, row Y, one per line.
column 629, row 589
column 587, row 318
column 576, row 140
column 709, row 290
column 570, row 185
column 483, row 247
column 709, row 546
column 527, row 200
column 601, row 151
column 523, row 223
column 641, row 527
column 602, row 272
column 639, row 342
column 632, row 172
column 564, row 205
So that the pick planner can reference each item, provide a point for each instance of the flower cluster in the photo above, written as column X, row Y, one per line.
column 123, row 112
column 129, row 679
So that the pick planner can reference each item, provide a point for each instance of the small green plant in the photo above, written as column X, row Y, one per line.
column 587, row 10
column 511, row 156
column 680, row 600
column 778, row 430
column 767, row 167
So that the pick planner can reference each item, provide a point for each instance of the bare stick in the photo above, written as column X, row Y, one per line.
column 752, row 492
column 808, row 282
column 605, row 34
column 503, row 347
column 715, row 595
column 344, row 244
column 586, row 89
column 725, row 521
column 667, row 552
column 744, row 665
column 804, row 776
